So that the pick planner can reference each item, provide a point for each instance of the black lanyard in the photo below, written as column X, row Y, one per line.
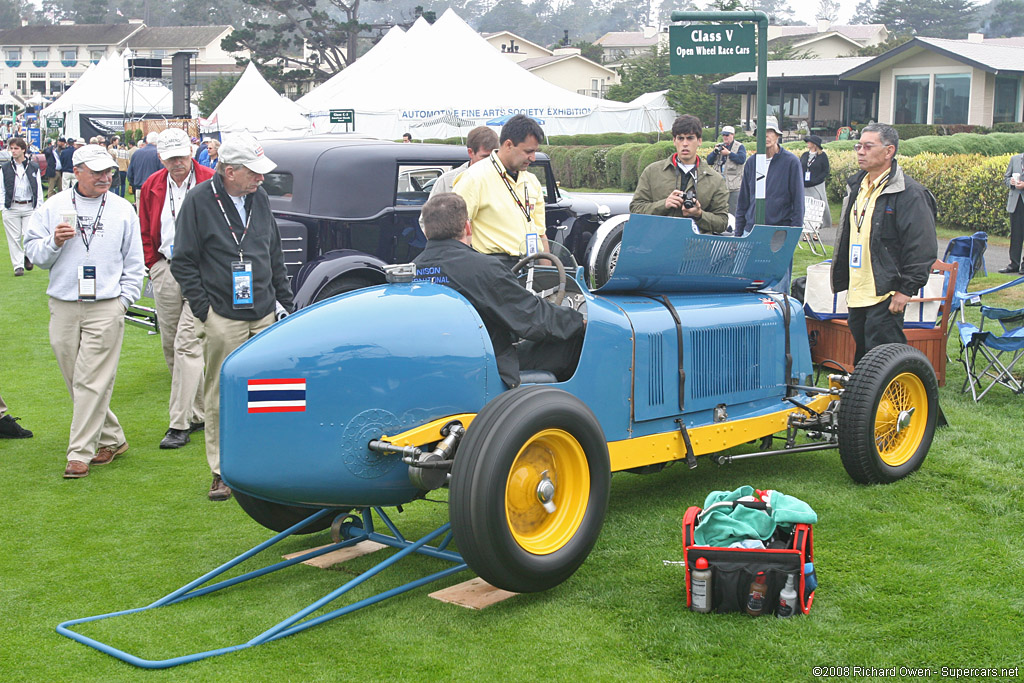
column 95, row 222
column 511, row 190
column 170, row 193
column 858, row 218
column 248, row 219
column 693, row 174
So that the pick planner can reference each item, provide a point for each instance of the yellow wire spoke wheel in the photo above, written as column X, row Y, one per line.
column 901, row 419
column 887, row 414
column 552, row 466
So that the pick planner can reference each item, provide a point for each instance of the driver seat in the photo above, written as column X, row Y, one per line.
column 537, row 377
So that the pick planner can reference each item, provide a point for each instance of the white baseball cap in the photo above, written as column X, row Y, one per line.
column 242, row 148
column 173, row 142
column 151, row 137
column 94, row 157
column 728, row 130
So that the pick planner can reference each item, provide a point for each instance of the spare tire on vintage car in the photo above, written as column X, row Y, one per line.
column 529, row 488
column 887, row 414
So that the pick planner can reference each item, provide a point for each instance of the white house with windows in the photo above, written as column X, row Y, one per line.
column 48, row 58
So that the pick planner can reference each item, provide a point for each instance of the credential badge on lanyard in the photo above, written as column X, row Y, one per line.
column 241, row 284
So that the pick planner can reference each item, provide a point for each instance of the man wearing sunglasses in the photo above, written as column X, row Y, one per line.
column 886, row 244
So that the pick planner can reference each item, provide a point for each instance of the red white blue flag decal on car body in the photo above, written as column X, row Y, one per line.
column 277, row 396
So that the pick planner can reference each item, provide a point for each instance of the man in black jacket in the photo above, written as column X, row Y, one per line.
column 21, row 192
column 886, row 244
column 508, row 309
column 228, row 262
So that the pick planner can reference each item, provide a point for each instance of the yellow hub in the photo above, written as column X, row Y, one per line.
column 901, row 419
column 551, row 467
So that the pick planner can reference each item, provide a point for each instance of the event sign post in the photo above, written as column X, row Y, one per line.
column 346, row 116
column 724, row 48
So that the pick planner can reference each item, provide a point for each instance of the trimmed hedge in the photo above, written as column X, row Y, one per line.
column 968, row 188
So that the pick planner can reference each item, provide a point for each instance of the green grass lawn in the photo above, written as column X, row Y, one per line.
column 923, row 572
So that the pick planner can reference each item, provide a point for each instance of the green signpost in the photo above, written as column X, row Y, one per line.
column 724, row 48
column 343, row 116
column 711, row 48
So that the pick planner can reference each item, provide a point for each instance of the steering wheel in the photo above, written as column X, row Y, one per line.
column 559, row 294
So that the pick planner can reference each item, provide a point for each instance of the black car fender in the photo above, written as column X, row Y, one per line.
column 316, row 275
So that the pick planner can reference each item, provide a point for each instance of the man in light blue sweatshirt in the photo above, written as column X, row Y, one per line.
column 89, row 240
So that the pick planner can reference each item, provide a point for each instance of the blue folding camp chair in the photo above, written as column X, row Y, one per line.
column 991, row 355
column 968, row 252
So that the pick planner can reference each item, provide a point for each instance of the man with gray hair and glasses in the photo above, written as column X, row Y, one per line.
column 886, row 243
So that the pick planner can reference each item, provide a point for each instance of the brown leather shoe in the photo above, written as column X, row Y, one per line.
column 28, row 264
column 107, row 454
column 76, row 470
column 218, row 489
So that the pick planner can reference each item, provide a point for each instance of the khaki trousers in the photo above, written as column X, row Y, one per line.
column 54, row 185
column 3, row 407
column 86, row 338
column 67, row 179
column 16, row 221
column 220, row 337
column 182, row 351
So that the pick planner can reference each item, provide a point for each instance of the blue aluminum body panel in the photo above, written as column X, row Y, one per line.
column 376, row 361
column 663, row 254
column 382, row 360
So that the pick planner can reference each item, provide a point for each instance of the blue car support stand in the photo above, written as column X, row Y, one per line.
column 298, row 621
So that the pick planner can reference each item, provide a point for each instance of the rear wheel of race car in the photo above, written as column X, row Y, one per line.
column 278, row 517
column 530, row 446
column 887, row 414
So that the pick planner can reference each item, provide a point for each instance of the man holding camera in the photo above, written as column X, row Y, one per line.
column 681, row 186
column 727, row 158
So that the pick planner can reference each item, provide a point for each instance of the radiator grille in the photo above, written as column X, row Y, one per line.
column 723, row 360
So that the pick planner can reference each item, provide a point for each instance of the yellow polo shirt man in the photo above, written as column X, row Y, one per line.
column 505, row 202
column 862, row 278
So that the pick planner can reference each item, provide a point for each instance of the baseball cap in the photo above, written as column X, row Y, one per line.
column 152, row 137
column 242, row 148
column 772, row 123
column 80, row 141
column 94, row 157
column 728, row 130
column 173, row 142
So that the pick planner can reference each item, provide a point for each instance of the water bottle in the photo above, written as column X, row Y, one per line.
column 700, row 586
column 810, row 579
column 755, row 601
column 787, row 599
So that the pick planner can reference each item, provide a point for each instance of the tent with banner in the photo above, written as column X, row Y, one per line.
column 445, row 79
column 253, row 106
column 104, row 97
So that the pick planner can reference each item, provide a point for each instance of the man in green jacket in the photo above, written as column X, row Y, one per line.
column 682, row 186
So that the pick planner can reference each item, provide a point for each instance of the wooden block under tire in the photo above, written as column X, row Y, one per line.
column 474, row 594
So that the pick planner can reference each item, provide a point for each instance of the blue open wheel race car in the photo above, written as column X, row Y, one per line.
column 385, row 393
column 378, row 396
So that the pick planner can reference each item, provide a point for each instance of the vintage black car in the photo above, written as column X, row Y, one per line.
column 348, row 206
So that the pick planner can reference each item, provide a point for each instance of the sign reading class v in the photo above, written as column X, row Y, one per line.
column 711, row 49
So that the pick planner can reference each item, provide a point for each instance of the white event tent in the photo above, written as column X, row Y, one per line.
column 106, row 97
column 444, row 79
column 253, row 106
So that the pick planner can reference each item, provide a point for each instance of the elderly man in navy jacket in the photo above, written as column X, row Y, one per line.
column 784, row 192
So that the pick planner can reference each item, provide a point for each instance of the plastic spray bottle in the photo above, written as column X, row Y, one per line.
column 787, row 598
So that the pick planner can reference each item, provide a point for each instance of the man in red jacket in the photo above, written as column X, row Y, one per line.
column 159, row 203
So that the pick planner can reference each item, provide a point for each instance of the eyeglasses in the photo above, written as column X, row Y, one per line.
column 867, row 146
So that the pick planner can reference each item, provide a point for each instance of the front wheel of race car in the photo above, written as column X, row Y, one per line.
column 887, row 414
column 529, row 489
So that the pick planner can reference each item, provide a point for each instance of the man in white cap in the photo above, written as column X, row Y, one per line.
column 88, row 238
column 784, row 185
column 727, row 158
column 160, row 200
column 229, row 263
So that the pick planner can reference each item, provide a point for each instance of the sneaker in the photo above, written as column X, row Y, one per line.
column 175, row 438
column 18, row 272
column 196, row 427
column 218, row 489
column 10, row 429
column 107, row 454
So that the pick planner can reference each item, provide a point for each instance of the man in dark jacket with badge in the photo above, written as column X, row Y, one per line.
column 509, row 310
column 886, row 244
column 229, row 264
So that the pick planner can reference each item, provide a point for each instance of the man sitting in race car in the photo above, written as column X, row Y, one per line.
column 509, row 310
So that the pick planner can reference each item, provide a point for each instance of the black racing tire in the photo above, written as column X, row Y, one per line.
column 278, row 517
column 501, row 527
column 608, row 256
column 887, row 414
column 340, row 285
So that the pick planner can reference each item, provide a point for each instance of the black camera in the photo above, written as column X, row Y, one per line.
column 689, row 199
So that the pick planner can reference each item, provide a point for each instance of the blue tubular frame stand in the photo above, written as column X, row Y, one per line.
column 298, row 621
